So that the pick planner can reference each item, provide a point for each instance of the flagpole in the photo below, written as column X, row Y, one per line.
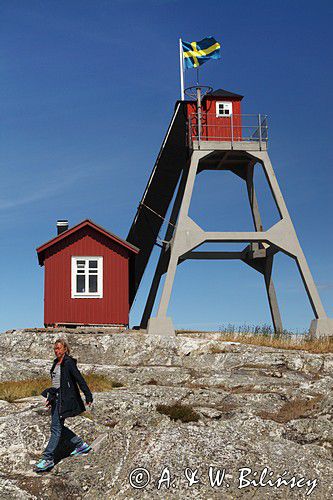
column 181, row 66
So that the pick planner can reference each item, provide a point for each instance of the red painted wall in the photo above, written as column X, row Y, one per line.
column 213, row 127
column 59, row 307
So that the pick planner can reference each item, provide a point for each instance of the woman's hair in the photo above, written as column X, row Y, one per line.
column 64, row 343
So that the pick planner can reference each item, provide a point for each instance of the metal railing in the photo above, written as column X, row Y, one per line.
column 233, row 128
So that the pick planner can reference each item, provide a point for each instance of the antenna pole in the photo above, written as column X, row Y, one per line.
column 199, row 106
column 181, row 67
column 199, row 112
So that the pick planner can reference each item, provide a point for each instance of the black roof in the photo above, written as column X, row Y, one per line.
column 225, row 93
column 161, row 186
column 215, row 93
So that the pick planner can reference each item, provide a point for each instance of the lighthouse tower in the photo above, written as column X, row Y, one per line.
column 209, row 132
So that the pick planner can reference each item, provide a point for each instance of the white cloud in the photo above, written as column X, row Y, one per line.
column 28, row 191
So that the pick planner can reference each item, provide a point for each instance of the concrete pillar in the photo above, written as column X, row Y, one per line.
column 162, row 325
column 164, row 257
column 321, row 325
column 298, row 254
column 270, row 289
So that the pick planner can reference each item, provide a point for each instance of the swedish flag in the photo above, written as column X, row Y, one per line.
column 197, row 53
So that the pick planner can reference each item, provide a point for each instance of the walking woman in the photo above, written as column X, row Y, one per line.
column 65, row 401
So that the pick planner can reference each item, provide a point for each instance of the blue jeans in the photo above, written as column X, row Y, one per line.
column 59, row 431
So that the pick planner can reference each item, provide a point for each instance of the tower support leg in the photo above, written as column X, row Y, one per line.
column 165, row 252
column 287, row 240
column 271, row 294
column 160, row 270
column 161, row 324
column 270, row 289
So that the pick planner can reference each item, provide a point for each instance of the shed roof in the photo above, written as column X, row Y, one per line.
column 85, row 223
column 224, row 93
column 215, row 93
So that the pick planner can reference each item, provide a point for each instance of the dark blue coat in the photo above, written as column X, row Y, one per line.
column 71, row 403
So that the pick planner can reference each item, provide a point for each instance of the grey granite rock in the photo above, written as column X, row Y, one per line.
column 258, row 407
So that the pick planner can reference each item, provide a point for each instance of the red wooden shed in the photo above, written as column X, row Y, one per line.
column 221, row 116
column 87, row 276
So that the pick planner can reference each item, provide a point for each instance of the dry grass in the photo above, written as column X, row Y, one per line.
column 291, row 410
column 152, row 381
column 195, row 385
column 101, row 383
column 88, row 414
column 185, row 413
column 217, row 350
column 264, row 336
column 317, row 346
column 12, row 390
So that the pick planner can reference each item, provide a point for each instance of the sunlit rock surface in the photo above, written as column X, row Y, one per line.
column 258, row 406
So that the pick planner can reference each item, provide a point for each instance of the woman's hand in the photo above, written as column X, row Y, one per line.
column 48, row 404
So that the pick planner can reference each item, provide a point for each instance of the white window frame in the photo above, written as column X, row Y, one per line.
column 87, row 295
column 227, row 105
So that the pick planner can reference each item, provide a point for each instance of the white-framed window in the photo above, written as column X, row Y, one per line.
column 223, row 108
column 87, row 277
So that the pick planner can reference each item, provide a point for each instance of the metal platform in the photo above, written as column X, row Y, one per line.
column 229, row 145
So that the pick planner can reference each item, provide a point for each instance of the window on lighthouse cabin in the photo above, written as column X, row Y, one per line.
column 223, row 108
column 87, row 277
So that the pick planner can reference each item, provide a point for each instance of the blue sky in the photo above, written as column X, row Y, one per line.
column 87, row 92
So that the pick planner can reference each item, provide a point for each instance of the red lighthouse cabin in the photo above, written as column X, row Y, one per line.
column 86, row 276
column 220, row 117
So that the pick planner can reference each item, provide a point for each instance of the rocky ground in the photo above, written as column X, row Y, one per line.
column 258, row 408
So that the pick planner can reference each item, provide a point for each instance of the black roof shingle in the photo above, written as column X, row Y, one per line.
column 225, row 93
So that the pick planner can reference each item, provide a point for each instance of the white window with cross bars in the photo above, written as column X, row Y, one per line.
column 87, row 277
column 223, row 109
